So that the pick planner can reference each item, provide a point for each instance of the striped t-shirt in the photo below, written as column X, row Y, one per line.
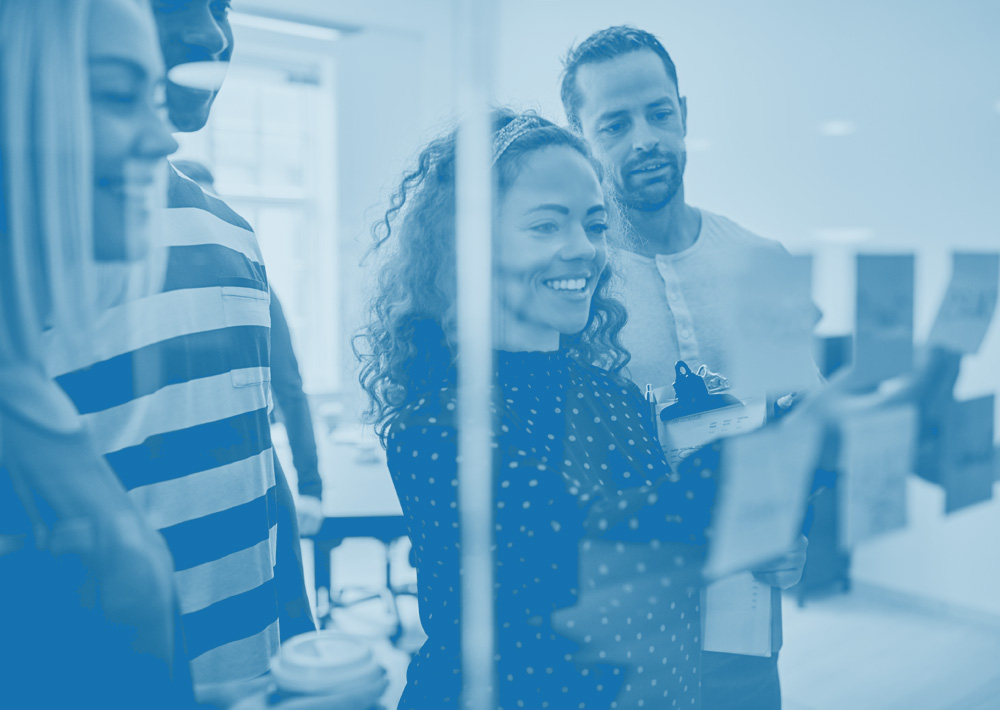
column 176, row 391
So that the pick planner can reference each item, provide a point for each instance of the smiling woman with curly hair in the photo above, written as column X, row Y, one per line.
column 410, row 335
column 575, row 455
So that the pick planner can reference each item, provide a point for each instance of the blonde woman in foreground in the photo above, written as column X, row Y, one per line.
column 87, row 600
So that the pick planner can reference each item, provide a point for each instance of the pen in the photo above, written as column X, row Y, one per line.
column 651, row 398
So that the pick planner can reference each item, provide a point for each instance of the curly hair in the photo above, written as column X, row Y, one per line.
column 407, row 347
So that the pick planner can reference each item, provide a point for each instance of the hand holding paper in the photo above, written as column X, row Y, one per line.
column 786, row 571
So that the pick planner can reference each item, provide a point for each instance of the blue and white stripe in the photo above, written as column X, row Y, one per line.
column 176, row 391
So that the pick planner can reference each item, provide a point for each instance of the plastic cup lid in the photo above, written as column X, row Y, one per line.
column 324, row 660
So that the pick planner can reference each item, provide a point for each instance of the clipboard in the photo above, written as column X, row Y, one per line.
column 736, row 610
column 698, row 417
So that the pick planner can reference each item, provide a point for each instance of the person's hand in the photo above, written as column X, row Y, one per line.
column 253, row 694
column 132, row 569
column 309, row 511
column 137, row 581
column 786, row 571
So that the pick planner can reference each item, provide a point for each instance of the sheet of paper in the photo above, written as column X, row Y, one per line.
column 928, row 463
column 762, row 496
column 969, row 303
column 682, row 437
column 736, row 616
column 967, row 455
column 876, row 456
column 773, row 320
column 883, row 343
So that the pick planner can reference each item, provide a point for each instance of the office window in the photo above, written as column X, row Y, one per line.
column 270, row 143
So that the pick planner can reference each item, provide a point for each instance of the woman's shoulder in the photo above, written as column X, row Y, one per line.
column 432, row 409
column 422, row 438
column 606, row 380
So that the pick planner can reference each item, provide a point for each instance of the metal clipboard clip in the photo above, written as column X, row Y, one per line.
column 693, row 396
column 698, row 417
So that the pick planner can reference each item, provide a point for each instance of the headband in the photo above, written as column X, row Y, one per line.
column 512, row 131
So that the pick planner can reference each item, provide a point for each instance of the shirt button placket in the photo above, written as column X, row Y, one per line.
column 687, row 344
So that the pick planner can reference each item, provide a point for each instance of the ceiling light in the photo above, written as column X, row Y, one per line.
column 843, row 235
column 837, row 128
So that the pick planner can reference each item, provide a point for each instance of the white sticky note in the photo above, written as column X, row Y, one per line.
column 969, row 303
column 773, row 321
column 762, row 496
column 876, row 456
column 883, row 342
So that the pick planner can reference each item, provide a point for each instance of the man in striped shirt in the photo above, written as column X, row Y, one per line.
column 177, row 389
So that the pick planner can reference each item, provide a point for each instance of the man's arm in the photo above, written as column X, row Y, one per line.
column 294, row 613
column 286, row 384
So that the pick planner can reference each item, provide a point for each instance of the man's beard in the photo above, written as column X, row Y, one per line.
column 634, row 194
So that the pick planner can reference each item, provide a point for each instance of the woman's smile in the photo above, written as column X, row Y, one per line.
column 550, row 250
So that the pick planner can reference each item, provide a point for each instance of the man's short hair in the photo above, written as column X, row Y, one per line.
column 603, row 46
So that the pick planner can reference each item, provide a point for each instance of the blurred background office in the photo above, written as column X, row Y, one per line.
column 838, row 129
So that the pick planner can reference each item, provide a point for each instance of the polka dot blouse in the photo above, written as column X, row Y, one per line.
column 597, row 550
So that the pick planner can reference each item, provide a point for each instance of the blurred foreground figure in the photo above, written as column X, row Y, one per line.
column 620, row 91
column 87, row 605
column 593, row 534
column 178, row 394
